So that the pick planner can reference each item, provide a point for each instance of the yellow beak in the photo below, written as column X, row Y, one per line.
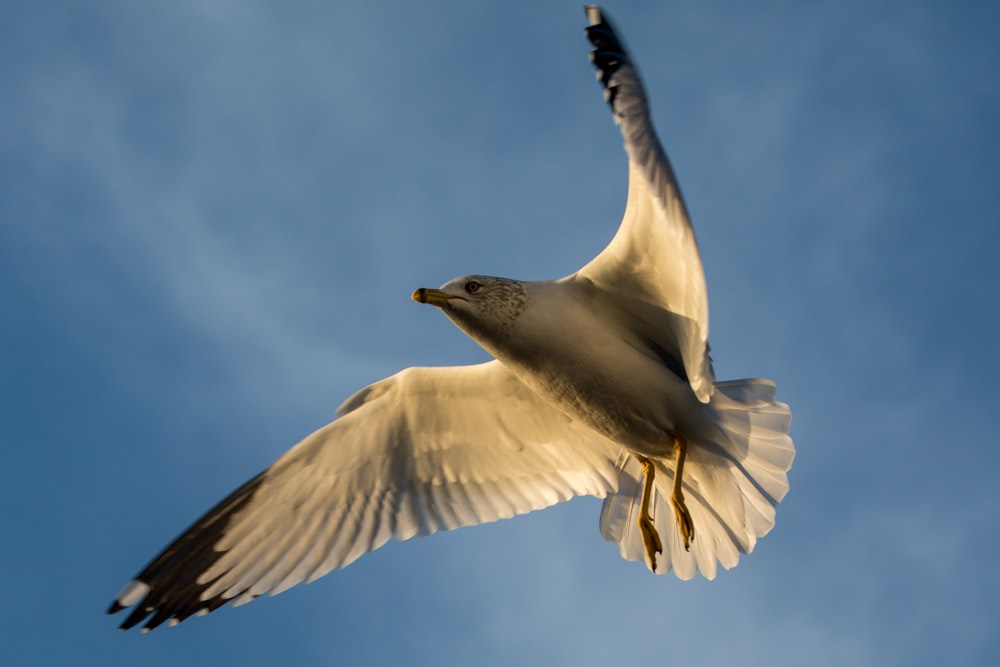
column 435, row 297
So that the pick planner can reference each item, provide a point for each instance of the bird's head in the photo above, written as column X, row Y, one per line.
column 484, row 307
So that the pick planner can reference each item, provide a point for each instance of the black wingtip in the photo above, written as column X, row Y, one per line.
column 609, row 53
column 168, row 589
column 602, row 35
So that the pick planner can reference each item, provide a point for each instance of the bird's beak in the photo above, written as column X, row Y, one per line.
column 435, row 297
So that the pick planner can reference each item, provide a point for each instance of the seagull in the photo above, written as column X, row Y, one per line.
column 600, row 384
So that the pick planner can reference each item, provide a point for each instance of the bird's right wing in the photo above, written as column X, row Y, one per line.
column 654, row 256
column 425, row 450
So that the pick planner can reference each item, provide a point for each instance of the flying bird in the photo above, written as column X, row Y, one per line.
column 600, row 384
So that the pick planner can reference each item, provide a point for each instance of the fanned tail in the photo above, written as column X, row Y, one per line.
column 733, row 479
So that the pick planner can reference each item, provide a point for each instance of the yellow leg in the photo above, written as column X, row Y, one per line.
column 650, row 538
column 681, row 513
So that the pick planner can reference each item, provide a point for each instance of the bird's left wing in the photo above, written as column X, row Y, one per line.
column 425, row 450
column 654, row 256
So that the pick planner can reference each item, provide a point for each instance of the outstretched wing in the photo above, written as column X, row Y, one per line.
column 425, row 450
column 654, row 255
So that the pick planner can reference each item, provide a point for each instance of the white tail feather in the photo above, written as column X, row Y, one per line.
column 732, row 482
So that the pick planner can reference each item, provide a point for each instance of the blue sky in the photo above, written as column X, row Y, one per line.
column 212, row 215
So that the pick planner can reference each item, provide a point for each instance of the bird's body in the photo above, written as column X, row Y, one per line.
column 584, row 351
column 601, row 385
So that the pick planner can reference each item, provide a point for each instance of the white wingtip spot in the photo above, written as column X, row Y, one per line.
column 593, row 14
column 132, row 592
column 172, row 622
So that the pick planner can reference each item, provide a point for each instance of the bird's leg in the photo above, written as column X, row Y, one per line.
column 650, row 538
column 681, row 513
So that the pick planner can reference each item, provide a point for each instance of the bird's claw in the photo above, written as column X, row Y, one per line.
column 650, row 540
column 684, row 521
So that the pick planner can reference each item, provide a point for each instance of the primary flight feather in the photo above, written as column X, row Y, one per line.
column 601, row 385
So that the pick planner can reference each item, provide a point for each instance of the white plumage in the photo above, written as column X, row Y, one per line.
column 594, row 376
column 427, row 449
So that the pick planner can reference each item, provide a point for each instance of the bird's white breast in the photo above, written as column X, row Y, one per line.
column 571, row 348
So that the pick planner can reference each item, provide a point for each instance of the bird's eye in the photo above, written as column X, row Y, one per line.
column 472, row 287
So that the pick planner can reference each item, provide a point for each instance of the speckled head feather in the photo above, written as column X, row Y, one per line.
column 485, row 307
